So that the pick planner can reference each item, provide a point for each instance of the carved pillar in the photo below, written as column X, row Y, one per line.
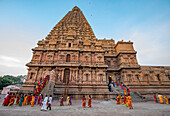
column 76, row 78
column 80, row 76
column 62, row 74
column 93, row 76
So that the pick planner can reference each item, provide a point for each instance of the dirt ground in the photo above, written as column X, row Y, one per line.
column 99, row 108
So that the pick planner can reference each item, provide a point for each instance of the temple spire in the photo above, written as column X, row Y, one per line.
column 74, row 21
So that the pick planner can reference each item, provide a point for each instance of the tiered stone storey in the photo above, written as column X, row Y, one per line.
column 79, row 63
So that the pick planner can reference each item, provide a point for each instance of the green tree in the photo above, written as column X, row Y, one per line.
column 4, row 82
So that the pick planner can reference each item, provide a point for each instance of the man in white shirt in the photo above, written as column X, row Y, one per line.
column 44, row 107
column 49, row 102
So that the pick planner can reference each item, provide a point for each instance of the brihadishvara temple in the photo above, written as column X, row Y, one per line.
column 80, row 64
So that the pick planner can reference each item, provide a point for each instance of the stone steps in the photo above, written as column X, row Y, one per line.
column 136, row 97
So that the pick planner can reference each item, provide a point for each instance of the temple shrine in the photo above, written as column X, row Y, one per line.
column 78, row 63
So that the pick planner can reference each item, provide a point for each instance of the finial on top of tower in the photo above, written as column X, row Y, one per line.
column 75, row 9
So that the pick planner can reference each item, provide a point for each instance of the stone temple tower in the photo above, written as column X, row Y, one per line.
column 80, row 64
column 73, row 58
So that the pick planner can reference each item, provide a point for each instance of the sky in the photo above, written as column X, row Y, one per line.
column 24, row 22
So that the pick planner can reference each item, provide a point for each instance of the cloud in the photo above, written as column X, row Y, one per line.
column 10, row 61
column 151, row 44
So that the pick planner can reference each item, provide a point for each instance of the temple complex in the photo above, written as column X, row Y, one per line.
column 79, row 64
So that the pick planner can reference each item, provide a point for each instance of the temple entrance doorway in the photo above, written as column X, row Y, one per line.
column 66, row 81
column 66, row 75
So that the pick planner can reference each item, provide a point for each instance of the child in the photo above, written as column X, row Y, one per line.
column 49, row 102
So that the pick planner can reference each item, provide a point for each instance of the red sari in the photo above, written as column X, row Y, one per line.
column 128, row 91
column 89, row 103
column 6, row 101
column 84, row 102
column 118, row 99
column 29, row 99
column 39, row 99
column 121, row 86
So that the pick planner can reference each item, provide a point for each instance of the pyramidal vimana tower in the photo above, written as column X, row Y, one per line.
column 80, row 64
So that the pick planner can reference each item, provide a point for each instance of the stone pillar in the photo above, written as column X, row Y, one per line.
column 76, row 78
column 93, row 76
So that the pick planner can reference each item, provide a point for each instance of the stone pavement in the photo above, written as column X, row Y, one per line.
column 99, row 108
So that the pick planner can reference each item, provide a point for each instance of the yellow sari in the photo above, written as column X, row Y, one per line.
column 125, row 93
column 160, row 99
column 32, row 101
column 166, row 100
column 68, row 99
column 24, row 102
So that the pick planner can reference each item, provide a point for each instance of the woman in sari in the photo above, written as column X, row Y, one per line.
column 125, row 101
column 44, row 107
column 125, row 93
column 36, row 97
column 25, row 99
column 166, row 100
column 39, row 99
column 121, row 86
column 84, row 102
column 33, row 100
column 61, row 101
column 12, row 100
column 121, row 100
column 154, row 95
column 128, row 90
column 68, row 100
column 21, row 100
column 118, row 99
column 89, row 103
column 7, row 99
column 29, row 99
column 18, row 99
column 160, row 98
column 130, row 102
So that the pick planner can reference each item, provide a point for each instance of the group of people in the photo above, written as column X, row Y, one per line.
column 41, row 84
column 162, row 99
column 61, row 100
column 68, row 101
column 22, row 100
column 84, row 102
column 126, row 99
